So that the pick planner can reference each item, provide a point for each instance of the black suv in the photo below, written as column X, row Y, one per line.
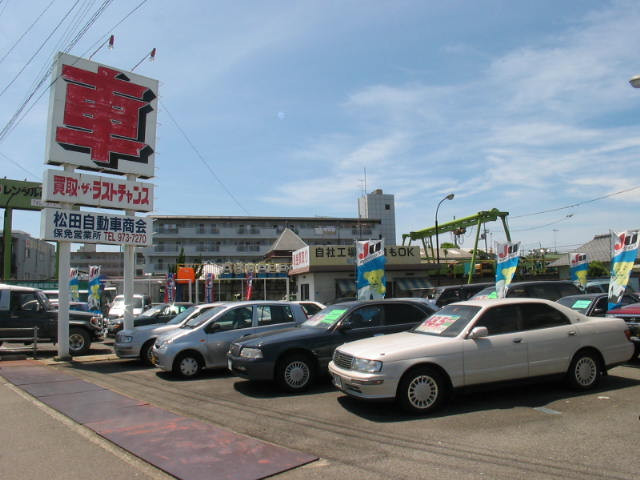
column 293, row 357
column 25, row 307
column 549, row 289
column 456, row 293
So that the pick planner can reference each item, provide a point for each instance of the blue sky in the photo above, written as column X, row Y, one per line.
column 521, row 106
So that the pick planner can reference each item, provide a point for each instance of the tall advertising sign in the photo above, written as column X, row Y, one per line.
column 170, row 291
column 578, row 267
column 249, row 285
column 100, row 119
column 507, row 263
column 95, row 288
column 371, row 281
column 623, row 255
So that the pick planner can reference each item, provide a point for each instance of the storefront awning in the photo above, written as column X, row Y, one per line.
column 408, row 284
column 346, row 287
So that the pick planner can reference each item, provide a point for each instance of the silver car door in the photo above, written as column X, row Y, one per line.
column 221, row 331
column 502, row 355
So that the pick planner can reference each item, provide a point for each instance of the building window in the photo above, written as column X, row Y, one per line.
column 387, row 206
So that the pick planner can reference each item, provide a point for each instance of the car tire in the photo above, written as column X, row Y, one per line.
column 585, row 371
column 145, row 352
column 294, row 373
column 79, row 341
column 422, row 390
column 187, row 365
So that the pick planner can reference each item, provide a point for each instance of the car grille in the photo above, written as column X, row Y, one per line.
column 342, row 360
column 234, row 350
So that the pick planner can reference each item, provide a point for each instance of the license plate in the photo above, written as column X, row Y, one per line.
column 337, row 381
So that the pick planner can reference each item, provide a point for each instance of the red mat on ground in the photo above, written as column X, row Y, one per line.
column 185, row 448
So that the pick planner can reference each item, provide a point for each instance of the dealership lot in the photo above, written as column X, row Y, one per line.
column 529, row 431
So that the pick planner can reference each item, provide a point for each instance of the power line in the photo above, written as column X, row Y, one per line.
column 39, row 48
column 19, row 166
column 202, row 159
column 579, row 203
column 26, row 32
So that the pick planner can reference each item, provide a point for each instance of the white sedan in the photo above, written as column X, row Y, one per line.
column 477, row 342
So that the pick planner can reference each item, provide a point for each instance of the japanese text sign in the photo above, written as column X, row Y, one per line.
column 18, row 195
column 300, row 260
column 101, row 118
column 91, row 227
column 97, row 191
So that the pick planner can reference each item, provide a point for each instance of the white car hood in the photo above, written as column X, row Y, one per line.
column 400, row 345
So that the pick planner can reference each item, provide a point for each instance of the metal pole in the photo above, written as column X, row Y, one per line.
column 129, row 273
column 448, row 197
column 63, row 301
column 6, row 233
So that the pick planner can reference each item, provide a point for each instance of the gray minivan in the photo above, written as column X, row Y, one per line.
column 203, row 341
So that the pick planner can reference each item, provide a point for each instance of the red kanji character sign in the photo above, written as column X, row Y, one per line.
column 108, row 118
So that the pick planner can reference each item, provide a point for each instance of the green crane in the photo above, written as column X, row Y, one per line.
column 459, row 225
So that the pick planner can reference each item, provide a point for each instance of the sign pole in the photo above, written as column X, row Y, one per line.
column 129, row 273
column 6, row 275
column 63, row 300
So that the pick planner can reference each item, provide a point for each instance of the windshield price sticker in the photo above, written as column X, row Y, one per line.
column 438, row 323
column 332, row 316
column 581, row 304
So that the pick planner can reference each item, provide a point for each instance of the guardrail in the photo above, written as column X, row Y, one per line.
column 33, row 338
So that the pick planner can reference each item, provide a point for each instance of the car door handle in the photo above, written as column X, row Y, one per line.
column 517, row 340
column 571, row 333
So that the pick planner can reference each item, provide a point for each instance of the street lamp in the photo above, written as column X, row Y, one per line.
column 635, row 81
column 448, row 197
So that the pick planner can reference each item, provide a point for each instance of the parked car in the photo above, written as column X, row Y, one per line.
column 480, row 342
column 548, row 289
column 601, row 285
column 160, row 313
column 296, row 356
column 139, row 341
column 594, row 304
column 203, row 341
column 310, row 307
column 140, row 304
column 447, row 294
column 25, row 307
column 631, row 315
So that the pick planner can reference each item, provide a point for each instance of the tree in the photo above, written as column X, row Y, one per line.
column 173, row 268
column 597, row 269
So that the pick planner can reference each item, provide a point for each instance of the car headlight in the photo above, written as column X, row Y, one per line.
column 366, row 366
column 124, row 339
column 251, row 353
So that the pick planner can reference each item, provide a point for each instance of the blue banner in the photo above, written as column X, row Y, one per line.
column 578, row 267
column 371, row 281
column 95, row 289
column 623, row 256
column 74, row 285
column 507, row 263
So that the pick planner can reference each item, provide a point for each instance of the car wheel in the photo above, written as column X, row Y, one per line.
column 585, row 371
column 421, row 390
column 295, row 373
column 187, row 365
column 79, row 341
column 145, row 352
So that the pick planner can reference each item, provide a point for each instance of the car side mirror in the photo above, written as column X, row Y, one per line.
column 212, row 327
column 346, row 324
column 478, row 332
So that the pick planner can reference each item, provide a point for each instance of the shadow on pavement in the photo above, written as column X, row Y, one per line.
column 528, row 394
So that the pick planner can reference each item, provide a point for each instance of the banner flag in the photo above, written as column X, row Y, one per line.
column 371, row 282
column 95, row 288
column 249, row 285
column 74, row 285
column 507, row 262
column 578, row 267
column 623, row 256
column 208, row 288
column 170, row 290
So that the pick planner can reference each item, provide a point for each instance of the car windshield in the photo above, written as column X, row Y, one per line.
column 118, row 301
column 489, row 292
column 327, row 318
column 576, row 303
column 152, row 311
column 203, row 317
column 447, row 322
column 185, row 314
